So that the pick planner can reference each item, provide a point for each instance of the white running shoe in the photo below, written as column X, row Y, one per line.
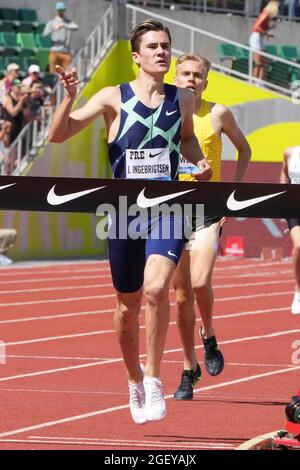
column 296, row 303
column 155, row 408
column 137, row 402
column 5, row 260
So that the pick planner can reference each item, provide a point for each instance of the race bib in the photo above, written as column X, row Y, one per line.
column 148, row 164
column 186, row 167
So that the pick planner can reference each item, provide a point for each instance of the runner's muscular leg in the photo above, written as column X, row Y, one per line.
column 203, row 255
column 186, row 317
column 295, row 236
column 158, row 274
column 126, row 321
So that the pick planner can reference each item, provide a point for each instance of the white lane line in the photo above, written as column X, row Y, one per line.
column 241, row 340
column 104, row 266
column 107, row 296
column 246, row 379
column 131, row 441
column 114, row 443
column 55, row 279
column 254, row 296
column 54, row 317
column 68, row 358
column 101, row 285
column 55, row 271
column 112, row 310
column 97, row 332
column 51, row 301
column 71, row 358
column 61, row 369
column 123, row 407
column 256, row 264
column 168, row 351
column 252, row 312
column 233, row 364
column 108, row 276
column 68, row 392
column 276, row 273
column 254, row 284
column 50, row 289
column 57, row 338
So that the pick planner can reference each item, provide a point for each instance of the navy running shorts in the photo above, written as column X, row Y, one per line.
column 163, row 236
column 293, row 223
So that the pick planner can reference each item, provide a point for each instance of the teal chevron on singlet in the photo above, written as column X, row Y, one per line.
column 147, row 145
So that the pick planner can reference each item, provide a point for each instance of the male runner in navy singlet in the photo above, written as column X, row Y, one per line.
column 147, row 123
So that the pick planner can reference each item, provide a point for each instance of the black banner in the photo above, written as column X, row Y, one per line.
column 45, row 194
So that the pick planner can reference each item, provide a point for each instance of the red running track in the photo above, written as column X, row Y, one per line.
column 64, row 383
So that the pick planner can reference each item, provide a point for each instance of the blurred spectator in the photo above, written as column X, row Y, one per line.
column 286, row 7
column 13, row 111
column 33, row 75
column 13, row 108
column 7, row 239
column 35, row 101
column 60, row 30
column 260, row 31
column 5, row 128
column 12, row 72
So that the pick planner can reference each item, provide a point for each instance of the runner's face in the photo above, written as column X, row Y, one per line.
column 154, row 55
column 192, row 75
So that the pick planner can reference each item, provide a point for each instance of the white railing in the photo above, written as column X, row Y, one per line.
column 240, row 7
column 236, row 6
column 95, row 48
column 240, row 64
column 34, row 135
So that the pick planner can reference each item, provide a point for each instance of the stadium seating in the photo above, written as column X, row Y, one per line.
column 289, row 53
column 295, row 74
column 42, row 56
column 241, row 65
column 279, row 74
column 43, row 42
column 272, row 49
column 28, row 16
column 10, row 15
column 9, row 43
column 227, row 51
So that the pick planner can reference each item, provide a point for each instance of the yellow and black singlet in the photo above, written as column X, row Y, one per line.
column 210, row 143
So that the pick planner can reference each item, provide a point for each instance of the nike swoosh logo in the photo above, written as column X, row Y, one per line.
column 172, row 254
column 168, row 113
column 154, row 155
column 145, row 202
column 56, row 200
column 235, row 205
column 7, row 186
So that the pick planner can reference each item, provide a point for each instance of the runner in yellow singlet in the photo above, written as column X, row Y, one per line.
column 192, row 279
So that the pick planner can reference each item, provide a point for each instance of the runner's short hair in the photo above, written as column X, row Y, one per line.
column 143, row 28
column 196, row 57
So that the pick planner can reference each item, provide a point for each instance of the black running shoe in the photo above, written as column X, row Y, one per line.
column 188, row 379
column 213, row 358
